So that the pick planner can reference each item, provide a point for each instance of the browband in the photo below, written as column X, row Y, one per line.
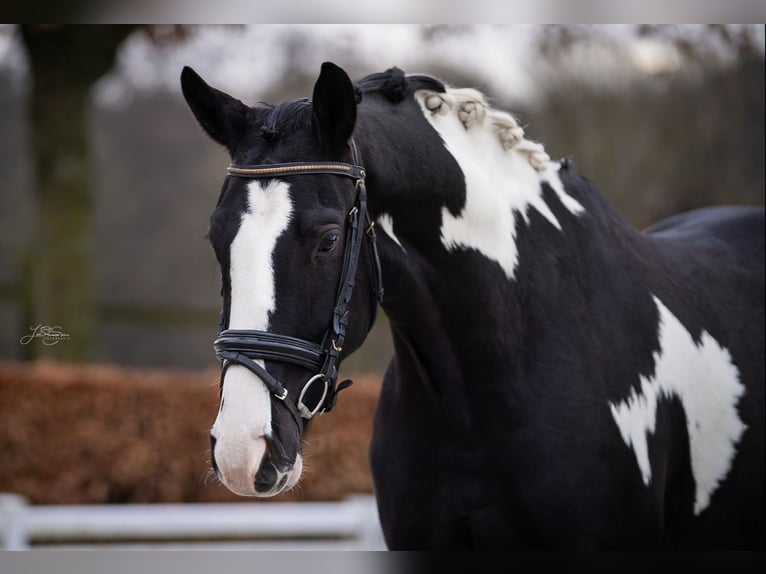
column 297, row 168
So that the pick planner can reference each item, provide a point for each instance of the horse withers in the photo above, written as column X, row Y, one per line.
column 560, row 379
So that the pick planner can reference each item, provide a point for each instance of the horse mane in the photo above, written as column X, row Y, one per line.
column 395, row 84
column 470, row 105
column 473, row 109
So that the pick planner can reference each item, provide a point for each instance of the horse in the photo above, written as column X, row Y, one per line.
column 560, row 379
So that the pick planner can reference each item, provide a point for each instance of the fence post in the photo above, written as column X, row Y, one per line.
column 13, row 509
column 371, row 537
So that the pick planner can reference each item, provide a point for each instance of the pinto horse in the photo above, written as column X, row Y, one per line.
column 560, row 379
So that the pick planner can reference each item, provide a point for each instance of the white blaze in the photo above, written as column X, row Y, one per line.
column 252, row 266
column 245, row 414
column 706, row 381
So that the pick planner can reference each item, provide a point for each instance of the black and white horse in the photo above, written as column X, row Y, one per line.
column 560, row 379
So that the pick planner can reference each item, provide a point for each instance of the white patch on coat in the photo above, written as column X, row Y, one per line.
column 244, row 418
column 387, row 225
column 503, row 171
column 708, row 384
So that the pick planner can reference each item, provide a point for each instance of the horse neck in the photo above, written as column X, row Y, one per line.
column 471, row 294
column 488, row 247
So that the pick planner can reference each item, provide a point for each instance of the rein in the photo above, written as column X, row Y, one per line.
column 245, row 347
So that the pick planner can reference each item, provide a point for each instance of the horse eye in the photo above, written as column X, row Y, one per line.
column 328, row 243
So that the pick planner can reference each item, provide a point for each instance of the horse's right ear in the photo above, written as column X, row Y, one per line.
column 221, row 116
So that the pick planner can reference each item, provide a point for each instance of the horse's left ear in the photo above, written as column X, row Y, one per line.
column 334, row 102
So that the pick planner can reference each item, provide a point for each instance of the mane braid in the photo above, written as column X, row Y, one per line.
column 395, row 84
column 472, row 108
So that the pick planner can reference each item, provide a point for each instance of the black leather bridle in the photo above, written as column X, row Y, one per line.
column 244, row 346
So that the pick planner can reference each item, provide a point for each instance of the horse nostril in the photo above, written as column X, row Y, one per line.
column 266, row 475
column 212, row 454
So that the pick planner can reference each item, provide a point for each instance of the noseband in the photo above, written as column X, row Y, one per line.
column 245, row 347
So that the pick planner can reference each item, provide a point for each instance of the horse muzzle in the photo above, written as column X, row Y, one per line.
column 248, row 468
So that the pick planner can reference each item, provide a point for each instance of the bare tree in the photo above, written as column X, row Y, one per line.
column 65, row 62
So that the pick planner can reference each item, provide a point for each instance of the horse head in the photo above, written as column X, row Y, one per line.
column 289, row 232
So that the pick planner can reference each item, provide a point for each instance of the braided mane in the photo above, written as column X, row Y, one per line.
column 472, row 109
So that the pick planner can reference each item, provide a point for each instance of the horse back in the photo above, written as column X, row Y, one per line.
column 741, row 228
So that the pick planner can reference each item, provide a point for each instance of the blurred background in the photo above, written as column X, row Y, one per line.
column 108, row 182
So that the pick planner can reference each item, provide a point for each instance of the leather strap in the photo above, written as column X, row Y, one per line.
column 273, row 385
column 297, row 168
column 271, row 347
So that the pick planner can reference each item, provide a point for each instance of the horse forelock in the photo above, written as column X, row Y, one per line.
column 284, row 119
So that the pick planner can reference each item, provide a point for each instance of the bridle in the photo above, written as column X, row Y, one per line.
column 245, row 347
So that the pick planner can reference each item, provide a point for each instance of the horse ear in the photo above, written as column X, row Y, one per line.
column 221, row 116
column 334, row 102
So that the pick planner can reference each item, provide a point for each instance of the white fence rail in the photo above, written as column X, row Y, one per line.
column 351, row 524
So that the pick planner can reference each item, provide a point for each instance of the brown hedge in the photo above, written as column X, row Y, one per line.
column 93, row 434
